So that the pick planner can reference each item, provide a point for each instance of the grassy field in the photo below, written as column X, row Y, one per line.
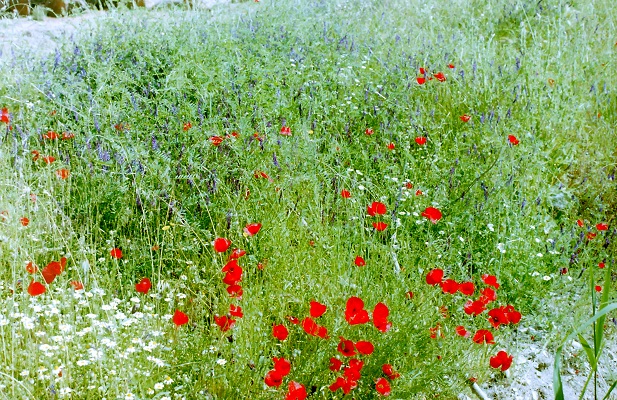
column 375, row 144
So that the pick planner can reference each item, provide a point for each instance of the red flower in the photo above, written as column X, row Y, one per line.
column 317, row 309
column 50, row 135
column 514, row 317
column 313, row 329
column 590, row 235
column 380, row 317
column 335, row 364
column 601, row 265
column 49, row 159
column 235, row 291
column 461, row 331
column 5, row 116
column 252, row 229
column 422, row 71
column 475, row 307
column 421, row 80
column 355, row 313
column 421, row 140
column 346, row 347
column 235, row 311
column 236, row 254
column 224, row 323
column 488, row 295
column 180, row 318
column 380, row 226
column 598, row 288
column 53, row 269
column 143, row 286
column 449, row 286
column 419, row 192
column 383, row 387
column 345, row 194
column 296, row 391
column 601, row 227
column 24, row 221
column 389, row 371
column 369, row 132
column 513, row 140
column 434, row 276
column 580, row 222
column 76, row 285
column 451, row 66
column 281, row 365
column 36, row 288
column 286, row 131
column 359, row 261
column 31, row 268
column 273, row 378
column 293, row 319
column 432, row 213
column 364, row 347
column 376, row 208
column 216, row 140
column 391, row 146
column 497, row 316
column 483, row 336
column 62, row 173
column 467, row 288
column 490, row 280
column 345, row 384
column 67, row 135
column 280, row 332
column 116, row 253
column 221, row 244
column 501, row 360
column 187, row 126
column 35, row 155
column 465, row 117
column 440, row 77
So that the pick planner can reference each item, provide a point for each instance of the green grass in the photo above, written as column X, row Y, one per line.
column 328, row 70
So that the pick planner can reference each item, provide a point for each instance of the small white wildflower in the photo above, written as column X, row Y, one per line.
column 360, row 187
column 129, row 396
column 82, row 363
column 501, row 247
column 546, row 278
column 490, row 227
column 539, row 255
column 159, row 386
column 25, row 372
column 221, row 361
column 168, row 380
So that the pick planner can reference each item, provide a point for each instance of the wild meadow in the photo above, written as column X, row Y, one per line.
column 307, row 199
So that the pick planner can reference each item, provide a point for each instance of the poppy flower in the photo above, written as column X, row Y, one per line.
column 273, row 378
column 419, row 192
column 461, row 331
column 335, row 364
column 422, row 71
column 391, row 146
column 345, row 194
column 440, row 76
column 513, row 140
column 286, row 131
column 497, row 317
column 36, row 288
column 490, row 280
column 488, row 295
column 77, row 285
column 380, row 317
column 221, row 245
column 514, row 317
column 24, row 221
column 50, row 135
column 187, row 126
column 389, row 371
column 449, row 286
column 313, row 329
column 474, row 307
column 432, row 213
column 345, row 384
column 467, row 288
column 5, row 116
column 281, row 365
column 317, row 309
column 383, row 387
column 434, row 276
column 408, row 185
column 62, row 173
column 598, row 288
column 591, row 235
column 580, row 223
column 235, row 291
column 380, row 226
column 31, row 268
column 180, row 318
column 216, row 140
column 280, row 332
column 293, row 319
column 296, row 391
column 35, row 155
column 421, row 140
column 465, row 117
column 233, row 274
column 421, row 80
column 377, row 208
column 235, row 311
column 143, row 286
column 67, row 135
column 251, row 229
column 601, row 227
column 501, row 360
column 601, row 265
column 49, row 159
column 359, row 261
column 224, row 323
column 369, row 132
column 483, row 336
column 451, row 66
column 346, row 347
column 116, row 253
column 355, row 313
column 365, row 347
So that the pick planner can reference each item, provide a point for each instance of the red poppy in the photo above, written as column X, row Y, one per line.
column 497, row 317
column 24, row 221
column 280, row 332
column 601, row 265
column 62, row 173
column 380, row 317
column 490, row 280
column 369, row 132
column 224, row 323
column 293, row 319
column 116, row 253
column 35, row 155
column 186, row 126
column 235, row 311
column 434, row 276
column 216, row 140
column 317, row 309
column 465, row 117
column 346, row 347
column 451, row 66
column 235, row 291
column 345, row 194
column 391, row 146
column 449, row 286
column 440, row 76
column 252, row 229
column 408, row 185
column 31, row 268
column 313, row 329
column 514, row 317
column 296, row 391
column 383, row 387
column 273, row 378
column 501, row 360
column 380, row 226
column 513, row 140
column 233, row 273
column 461, row 331
column 335, row 364
column 143, row 286
column 389, row 371
column 221, row 244
column 286, row 131
column 36, row 288
column 432, row 213
column 355, row 313
column 282, row 366
column 50, row 135
column 421, row 140
column 359, row 261
column 467, row 288
column 483, row 336
column 580, row 222
column 376, row 208
column 488, row 295
column 364, row 347
column 474, row 307
column 591, row 235
column 76, row 285
column 67, row 135
column 419, row 192
column 180, row 318
column 5, row 116
column 49, row 159
column 421, row 80
column 422, row 71
column 598, row 288
column 601, row 227
column 345, row 384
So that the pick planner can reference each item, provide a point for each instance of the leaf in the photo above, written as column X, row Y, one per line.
column 599, row 334
column 613, row 386
column 591, row 355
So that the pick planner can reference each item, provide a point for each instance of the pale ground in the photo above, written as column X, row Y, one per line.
column 531, row 375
